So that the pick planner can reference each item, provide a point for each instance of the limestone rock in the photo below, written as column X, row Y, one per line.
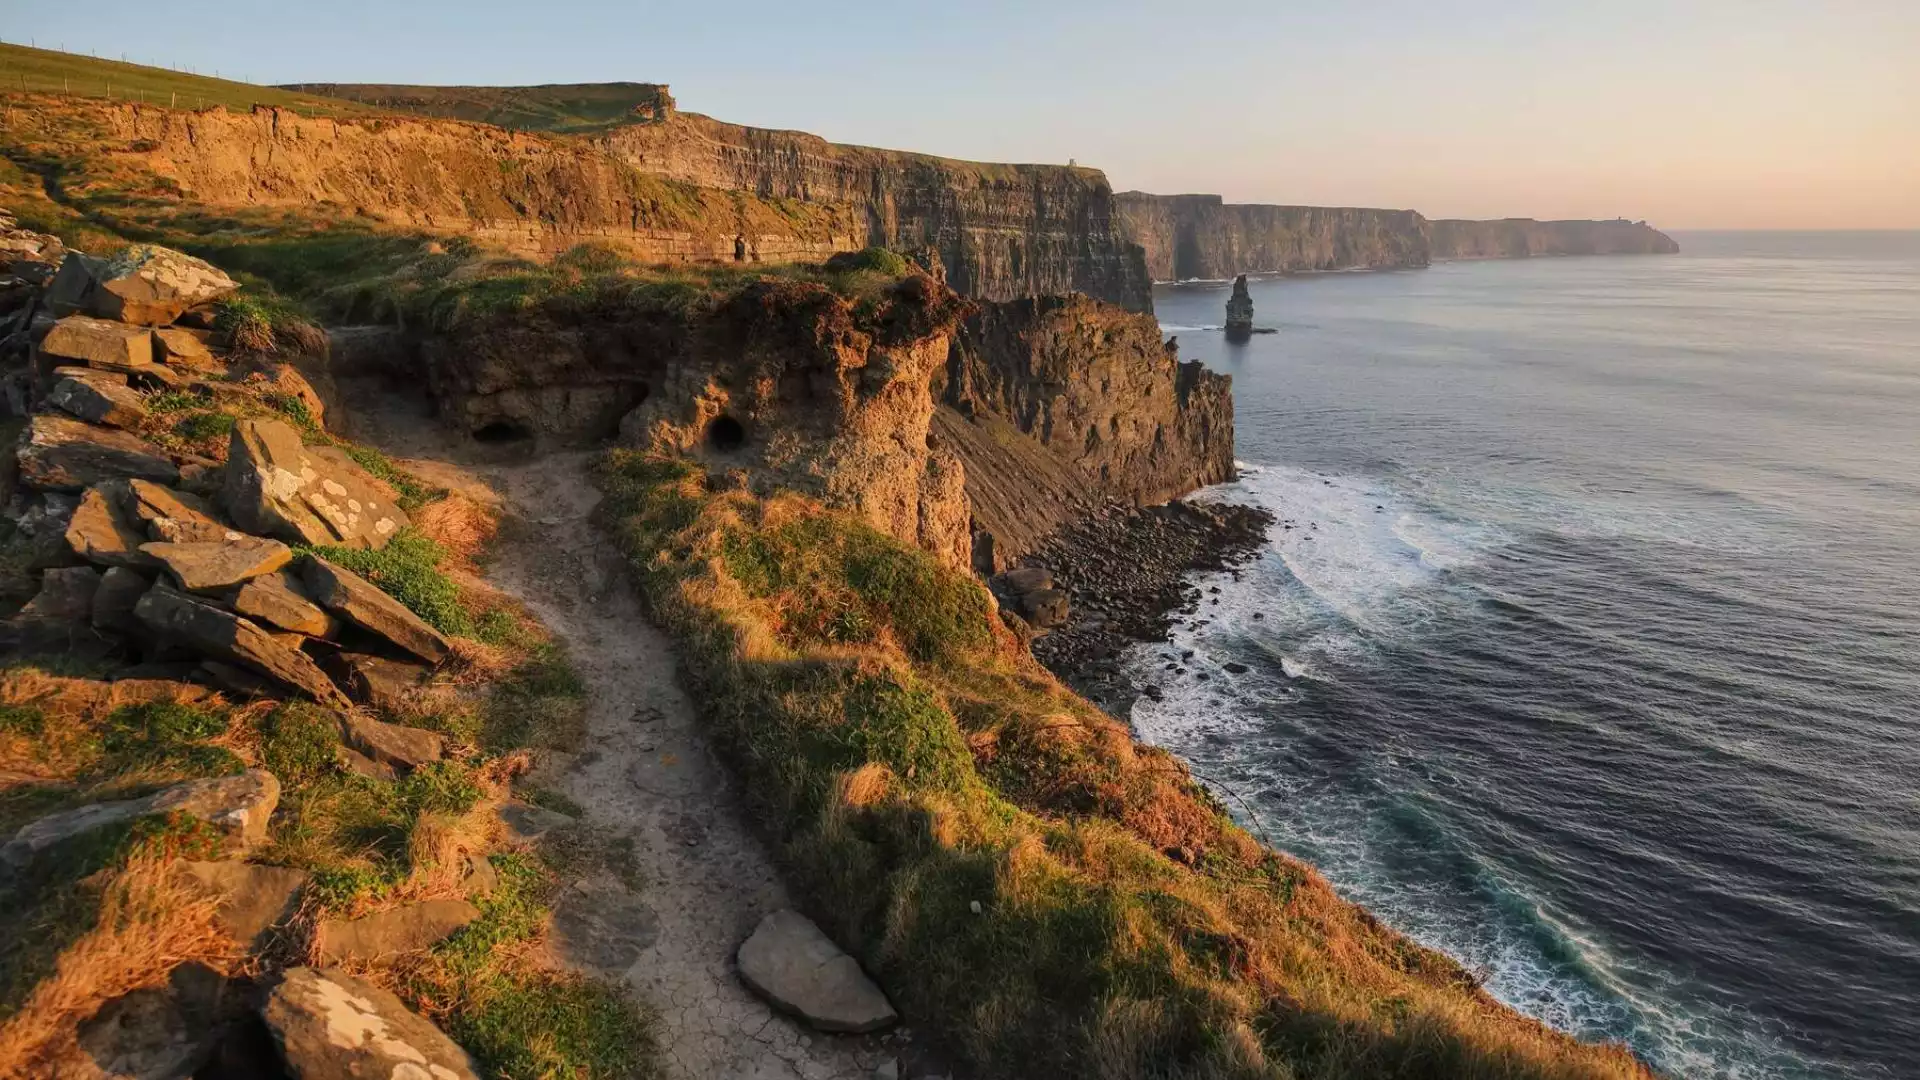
column 155, row 1033
column 382, row 683
column 1239, row 310
column 72, row 284
column 253, row 899
column 276, row 486
column 227, row 637
column 66, row 455
column 1045, row 608
column 152, row 286
column 99, row 343
column 364, row 605
column 113, row 603
column 179, row 346
column 1026, row 579
column 792, row 964
column 66, row 595
column 212, row 566
column 384, row 934
column 393, row 745
column 279, row 600
column 100, row 531
column 237, row 806
column 332, row 1026
column 175, row 516
column 104, row 399
column 360, row 764
column 527, row 823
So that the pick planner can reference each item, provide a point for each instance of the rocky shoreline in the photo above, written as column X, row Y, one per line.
column 1125, row 571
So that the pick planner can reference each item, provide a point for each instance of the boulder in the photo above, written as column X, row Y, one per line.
column 1045, row 608
column 795, row 966
column 104, row 398
column 155, row 1033
column 236, row 806
column 61, row 454
column 392, row 745
column 98, row 343
column 72, row 284
column 332, row 1026
column 385, row 934
column 180, row 346
column 285, row 381
column 254, row 899
column 66, row 595
column 360, row 764
column 1026, row 579
column 365, row 606
column 100, row 531
column 204, row 566
column 527, row 823
column 113, row 603
column 382, row 683
column 279, row 600
column 226, row 637
column 279, row 487
column 151, row 286
column 175, row 516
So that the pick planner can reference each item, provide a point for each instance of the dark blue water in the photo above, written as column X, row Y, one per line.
column 1593, row 653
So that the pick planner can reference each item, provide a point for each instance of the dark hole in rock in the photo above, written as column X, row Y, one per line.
column 726, row 433
column 501, row 431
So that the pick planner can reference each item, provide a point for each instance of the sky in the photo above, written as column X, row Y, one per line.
column 1688, row 113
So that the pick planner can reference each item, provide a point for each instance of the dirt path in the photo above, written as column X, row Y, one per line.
column 645, row 774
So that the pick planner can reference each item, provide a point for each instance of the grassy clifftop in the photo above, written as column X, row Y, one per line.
column 1013, row 867
column 556, row 107
column 24, row 69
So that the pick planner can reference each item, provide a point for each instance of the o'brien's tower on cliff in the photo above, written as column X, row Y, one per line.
column 1239, row 311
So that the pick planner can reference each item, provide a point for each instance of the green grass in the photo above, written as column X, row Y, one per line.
column 566, row 108
column 46, row 71
column 408, row 569
column 540, row 703
column 998, row 853
column 354, row 832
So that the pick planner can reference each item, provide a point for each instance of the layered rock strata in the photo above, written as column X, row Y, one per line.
column 1521, row 238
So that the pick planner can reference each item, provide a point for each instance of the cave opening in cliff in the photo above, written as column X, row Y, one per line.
column 726, row 434
column 501, row 431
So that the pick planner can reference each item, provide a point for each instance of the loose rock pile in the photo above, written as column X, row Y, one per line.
column 177, row 564
column 1125, row 570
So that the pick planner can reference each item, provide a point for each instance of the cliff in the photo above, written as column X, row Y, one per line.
column 1520, row 238
column 1060, row 403
column 1203, row 236
column 570, row 107
column 1003, row 231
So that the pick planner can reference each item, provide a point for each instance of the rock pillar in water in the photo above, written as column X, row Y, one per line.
column 1239, row 311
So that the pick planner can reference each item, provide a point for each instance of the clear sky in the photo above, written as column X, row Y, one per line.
column 1691, row 113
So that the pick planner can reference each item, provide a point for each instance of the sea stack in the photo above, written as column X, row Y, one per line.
column 1239, row 311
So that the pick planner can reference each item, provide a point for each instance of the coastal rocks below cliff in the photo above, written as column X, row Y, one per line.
column 1124, row 571
column 1239, row 311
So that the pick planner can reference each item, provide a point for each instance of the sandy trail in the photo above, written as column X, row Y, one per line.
column 645, row 773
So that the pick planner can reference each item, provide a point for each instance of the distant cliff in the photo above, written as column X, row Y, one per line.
column 1520, row 238
column 1203, row 236
column 1003, row 231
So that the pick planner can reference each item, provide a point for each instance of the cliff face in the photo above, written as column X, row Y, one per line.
column 529, row 193
column 1520, row 238
column 1202, row 236
column 1003, row 231
column 1058, row 403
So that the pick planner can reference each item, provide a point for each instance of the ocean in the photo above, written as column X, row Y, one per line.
column 1587, row 644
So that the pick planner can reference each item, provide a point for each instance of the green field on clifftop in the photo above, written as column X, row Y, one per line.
column 24, row 69
column 566, row 108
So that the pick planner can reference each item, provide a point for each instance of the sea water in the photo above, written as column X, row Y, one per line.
column 1588, row 645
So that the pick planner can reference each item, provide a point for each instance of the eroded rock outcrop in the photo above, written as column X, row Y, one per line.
column 1239, row 311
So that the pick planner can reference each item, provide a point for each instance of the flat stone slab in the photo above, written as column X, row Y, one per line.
column 362, row 603
column 101, row 531
column 331, row 1026
column 384, row 934
column 63, row 454
column 107, row 400
column 277, row 486
column 99, row 343
column 796, row 967
column 254, row 899
column 175, row 516
column 395, row 745
column 278, row 599
column 211, row 566
column 182, row 347
column 382, row 683
column 113, row 603
column 225, row 637
column 237, row 806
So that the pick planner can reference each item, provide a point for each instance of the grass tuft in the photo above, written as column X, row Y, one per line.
column 408, row 569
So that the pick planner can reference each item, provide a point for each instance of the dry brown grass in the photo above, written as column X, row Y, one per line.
column 151, row 921
column 460, row 524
